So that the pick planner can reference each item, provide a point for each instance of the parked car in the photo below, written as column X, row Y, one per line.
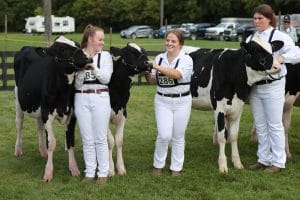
column 160, row 33
column 239, row 33
column 197, row 31
column 298, row 34
column 137, row 31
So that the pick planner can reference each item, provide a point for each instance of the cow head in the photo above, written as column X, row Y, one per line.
column 68, row 54
column 133, row 57
column 260, row 60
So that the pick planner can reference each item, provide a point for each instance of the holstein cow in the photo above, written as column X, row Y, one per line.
column 132, row 60
column 221, row 81
column 44, row 90
column 292, row 98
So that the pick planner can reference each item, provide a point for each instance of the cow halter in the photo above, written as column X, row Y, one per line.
column 132, row 66
column 70, row 60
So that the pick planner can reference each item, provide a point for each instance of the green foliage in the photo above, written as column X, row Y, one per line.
column 122, row 13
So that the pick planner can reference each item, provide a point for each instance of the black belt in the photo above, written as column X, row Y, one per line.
column 267, row 81
column 174, row 95
column 97, row 91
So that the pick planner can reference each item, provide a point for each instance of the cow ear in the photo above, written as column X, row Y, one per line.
column 115, row 51
column 40, row 51
column 276, row 45
column 244, row 46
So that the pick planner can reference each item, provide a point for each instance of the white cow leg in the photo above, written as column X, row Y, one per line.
column 111, row 143
column 222, row 157
column 119, row 146
column 42, row 142
column 234, row 126
column 286, row 119
column 19, row 126
column 48, row 175
column 72, row 162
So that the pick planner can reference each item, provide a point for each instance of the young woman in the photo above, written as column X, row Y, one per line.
column 92, row 105
column 172, row 72
column 267, row 99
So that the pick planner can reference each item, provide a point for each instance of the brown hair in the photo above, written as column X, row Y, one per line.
column 266, row 11
column 89, row 31
column 178, row 33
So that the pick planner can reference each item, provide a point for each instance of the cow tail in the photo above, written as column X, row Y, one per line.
column 70, row 132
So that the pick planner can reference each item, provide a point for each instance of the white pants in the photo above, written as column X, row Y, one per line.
column 172, row 116
column 93, row 112
column 267, row 103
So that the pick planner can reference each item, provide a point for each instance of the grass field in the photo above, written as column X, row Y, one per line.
column 21, row 178
column 14, row 41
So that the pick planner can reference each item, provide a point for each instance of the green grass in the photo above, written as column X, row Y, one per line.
column 14, row 41
column 21, row 178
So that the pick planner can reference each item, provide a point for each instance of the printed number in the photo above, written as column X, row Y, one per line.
column 89, row 76
column 166, row 81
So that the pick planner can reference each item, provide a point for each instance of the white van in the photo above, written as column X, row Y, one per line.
column 226, row 23
column 59, row 24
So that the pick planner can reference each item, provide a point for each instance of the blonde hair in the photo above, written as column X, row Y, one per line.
column 89, row 31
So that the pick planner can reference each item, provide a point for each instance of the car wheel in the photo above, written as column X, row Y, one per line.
column 133, row 36
column 240, row 38
column 193, row 37
column 221, row 37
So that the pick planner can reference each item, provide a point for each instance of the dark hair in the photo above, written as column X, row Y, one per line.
column 89, row 31
column 178, row 33
column 266, row 11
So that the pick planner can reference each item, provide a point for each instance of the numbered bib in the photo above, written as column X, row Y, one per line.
column 165, row 81
column 89, row 76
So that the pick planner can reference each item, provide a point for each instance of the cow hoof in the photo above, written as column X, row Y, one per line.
column 122, row 172
column 223, row 169
column 18, row 152
column 74, row 171
column 47, row 178
column 111, row 173
column 238, row 166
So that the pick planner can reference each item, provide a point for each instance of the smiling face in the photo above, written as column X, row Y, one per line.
column 96, row 41
column 172, row 44
column 261, row 22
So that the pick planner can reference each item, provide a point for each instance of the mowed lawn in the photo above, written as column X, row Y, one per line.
column 21, row 178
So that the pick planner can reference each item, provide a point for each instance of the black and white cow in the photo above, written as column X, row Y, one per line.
column 292, row 98
column 44, row 90
column 221, row 81
column 131, row 61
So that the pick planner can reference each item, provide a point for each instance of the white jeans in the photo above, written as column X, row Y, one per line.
column 267, row 103
column 93, row 112
column 172, row 116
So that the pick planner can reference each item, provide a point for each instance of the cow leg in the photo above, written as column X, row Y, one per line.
column 222, row 161
column 42, row 144
column 119, row 145
column 72, row 162
column 48, row 175
column 19, row 126
column 233, row 127
column 111, row 144
column 286, row 119
column 69, row 145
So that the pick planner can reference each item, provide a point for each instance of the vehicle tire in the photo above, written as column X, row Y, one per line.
column 221, row 37
column 133, row 36
column 240, row 38
column 193, row 37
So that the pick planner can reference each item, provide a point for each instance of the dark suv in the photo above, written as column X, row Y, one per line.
column 160, row 33
column 197, row 31
column 240, row 33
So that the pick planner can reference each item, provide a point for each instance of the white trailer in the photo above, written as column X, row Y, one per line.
column 59, row 24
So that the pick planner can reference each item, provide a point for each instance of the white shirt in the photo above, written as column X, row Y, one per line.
column 102, row 74
column 185, row 67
